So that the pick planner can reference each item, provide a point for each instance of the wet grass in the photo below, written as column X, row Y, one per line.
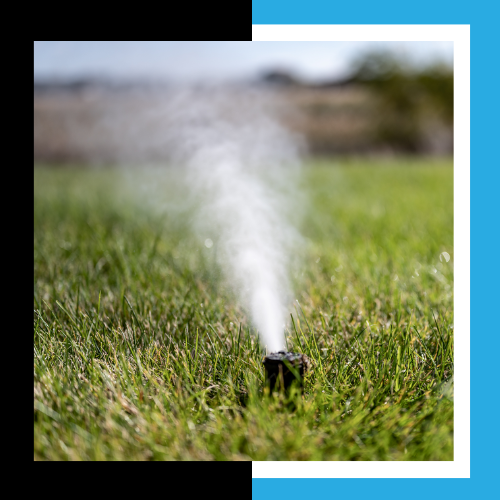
column 140, row 353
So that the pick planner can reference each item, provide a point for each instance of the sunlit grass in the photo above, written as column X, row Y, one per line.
column 140, row 353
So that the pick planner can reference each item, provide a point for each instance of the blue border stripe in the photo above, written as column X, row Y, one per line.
column 367, row 489
column 367, row 12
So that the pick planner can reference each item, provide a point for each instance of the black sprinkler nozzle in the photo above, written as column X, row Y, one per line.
column 283, row 368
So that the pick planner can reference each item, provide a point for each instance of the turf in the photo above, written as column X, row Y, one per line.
column 140, row 353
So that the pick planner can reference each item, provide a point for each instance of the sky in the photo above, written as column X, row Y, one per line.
column 185, row 61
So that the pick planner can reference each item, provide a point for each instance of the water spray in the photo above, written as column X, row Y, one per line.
column 240, row 166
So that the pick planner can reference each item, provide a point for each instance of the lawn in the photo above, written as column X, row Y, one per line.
column 141, row 353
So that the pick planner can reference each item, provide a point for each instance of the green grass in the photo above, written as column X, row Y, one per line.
column 140, row 353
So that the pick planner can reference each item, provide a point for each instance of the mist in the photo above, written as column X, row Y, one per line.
column 238, row 167
column 241, row 168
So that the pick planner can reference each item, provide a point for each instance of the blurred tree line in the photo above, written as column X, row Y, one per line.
column 385, row 106
column 411, row 102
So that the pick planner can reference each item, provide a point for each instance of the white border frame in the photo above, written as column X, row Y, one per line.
column 460, row 35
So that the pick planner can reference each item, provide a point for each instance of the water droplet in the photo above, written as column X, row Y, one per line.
column 209, row 243
column 444, row 256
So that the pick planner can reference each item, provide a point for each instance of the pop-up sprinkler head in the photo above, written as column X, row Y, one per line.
column 282, row 368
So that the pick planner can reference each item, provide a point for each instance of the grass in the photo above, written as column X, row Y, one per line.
column 140, row 353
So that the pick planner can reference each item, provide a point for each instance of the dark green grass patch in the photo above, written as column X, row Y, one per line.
column 140, row 353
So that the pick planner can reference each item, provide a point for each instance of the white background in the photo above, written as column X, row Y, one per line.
column 460, row 35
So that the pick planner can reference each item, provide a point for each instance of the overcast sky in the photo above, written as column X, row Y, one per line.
column 196, row 61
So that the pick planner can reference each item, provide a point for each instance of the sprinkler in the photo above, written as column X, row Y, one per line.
column 282, row 368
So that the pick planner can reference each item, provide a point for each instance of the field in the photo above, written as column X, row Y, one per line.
column 140, row 353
